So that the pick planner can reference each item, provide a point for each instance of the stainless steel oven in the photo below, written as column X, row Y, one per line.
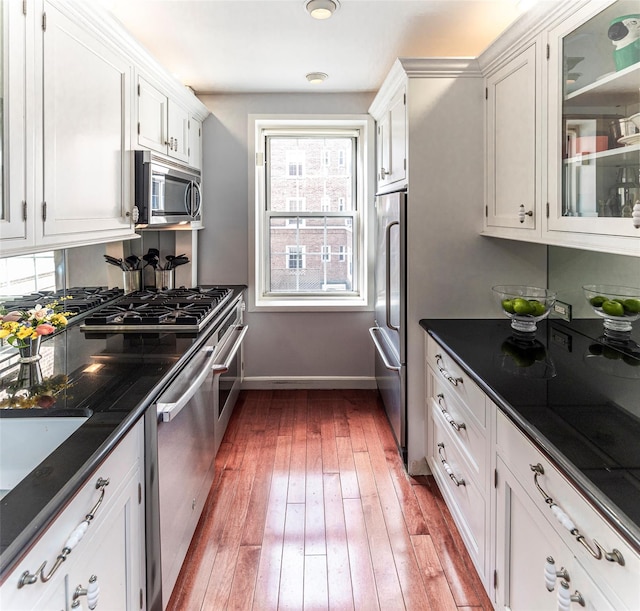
column 189, row 422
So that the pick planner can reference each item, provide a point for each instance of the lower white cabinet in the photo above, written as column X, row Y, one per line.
column 535, row 540
column 110, row 553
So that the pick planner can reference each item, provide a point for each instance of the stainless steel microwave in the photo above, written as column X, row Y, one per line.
column 167, row 193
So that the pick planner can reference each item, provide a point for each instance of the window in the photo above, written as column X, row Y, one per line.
column 295, row 163
column 295, row 257
column 341, row 157
column 298, row 225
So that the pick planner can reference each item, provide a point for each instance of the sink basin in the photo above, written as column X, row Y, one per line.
column 26, row 442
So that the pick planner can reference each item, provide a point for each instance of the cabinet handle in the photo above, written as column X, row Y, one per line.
column 550, row 574
column 565, row 598
column 175, row 144
column 447, row 376
column 92, row 592
column 522, row 213
column 384, row 172
column 565, row 520
column 74, row 538
column 448, row 469
column 447, row 415
column 635, row 215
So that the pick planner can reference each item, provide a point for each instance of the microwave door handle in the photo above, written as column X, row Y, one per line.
column 187, row 197
column 220, row 368
column 196, row 199
column 170, row 410
column 388, row 276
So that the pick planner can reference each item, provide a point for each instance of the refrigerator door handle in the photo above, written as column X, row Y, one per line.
column 388, row 276
column 379, row 348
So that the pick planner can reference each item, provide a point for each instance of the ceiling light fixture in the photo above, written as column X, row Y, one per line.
column 322, row 9
column 316, row 78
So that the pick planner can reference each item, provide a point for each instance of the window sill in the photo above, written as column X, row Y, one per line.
column 291, row 304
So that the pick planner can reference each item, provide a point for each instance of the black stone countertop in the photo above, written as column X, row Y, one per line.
column 116, row 377
column 575, row 394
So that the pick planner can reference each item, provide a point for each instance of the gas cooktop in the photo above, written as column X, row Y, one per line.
column 81, row 299
column 182, row 309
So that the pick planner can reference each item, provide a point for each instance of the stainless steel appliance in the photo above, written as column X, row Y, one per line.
column 152, row 310
column 166, row 192
column 183, row 435
column 389, row 332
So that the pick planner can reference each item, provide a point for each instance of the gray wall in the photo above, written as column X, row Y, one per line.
column 278, row 345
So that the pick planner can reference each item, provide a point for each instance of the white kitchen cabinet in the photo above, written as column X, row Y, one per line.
column 112, row 547
column 391, row 162
column 458, row 434
column 163, row 124
column 15, row 228
column 513, row 146
column 195, row 143
column 68, row 176
column 594, row 173
column 85, row 97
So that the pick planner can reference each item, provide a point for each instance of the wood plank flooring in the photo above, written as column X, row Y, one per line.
column 311, row 508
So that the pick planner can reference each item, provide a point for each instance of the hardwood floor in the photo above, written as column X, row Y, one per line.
column 312, row 509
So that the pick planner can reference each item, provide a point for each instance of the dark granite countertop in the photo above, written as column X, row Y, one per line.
column 574, row 393
column 112, row 378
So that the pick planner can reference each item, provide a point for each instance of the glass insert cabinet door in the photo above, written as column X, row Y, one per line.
column 594, row 119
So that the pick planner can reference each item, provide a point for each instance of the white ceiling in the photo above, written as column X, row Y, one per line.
column 269, row 45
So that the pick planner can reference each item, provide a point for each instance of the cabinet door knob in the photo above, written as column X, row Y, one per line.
column 636, row 215
column 551, row 575
column 522, row 213
column 565, row 598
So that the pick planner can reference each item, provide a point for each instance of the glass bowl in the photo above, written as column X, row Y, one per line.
column 618, row 305
column 524, row 305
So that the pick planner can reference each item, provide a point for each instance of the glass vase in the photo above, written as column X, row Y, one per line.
column 30, row 353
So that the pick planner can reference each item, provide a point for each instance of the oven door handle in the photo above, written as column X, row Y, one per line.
column 168, row 411
column 220, row 368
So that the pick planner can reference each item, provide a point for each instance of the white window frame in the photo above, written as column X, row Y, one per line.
column 325, row 253
column 361, row 299
column 325, row 204
column 300, row 252
column 295, row 159
column 342, row 253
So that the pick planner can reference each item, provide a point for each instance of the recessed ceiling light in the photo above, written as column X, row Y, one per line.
column 315, row 78
column 322, row 9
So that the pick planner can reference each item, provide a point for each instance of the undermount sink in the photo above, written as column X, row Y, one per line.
column 26, row 442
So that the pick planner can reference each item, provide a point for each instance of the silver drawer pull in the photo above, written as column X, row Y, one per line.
column 447, row 376
column 74, row 538
column 567, row 522
column 448, row 469
column 447, row 415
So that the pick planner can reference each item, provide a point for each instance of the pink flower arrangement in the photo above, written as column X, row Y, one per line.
column 21, row 326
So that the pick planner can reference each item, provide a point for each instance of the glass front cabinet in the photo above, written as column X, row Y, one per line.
column 594, row 121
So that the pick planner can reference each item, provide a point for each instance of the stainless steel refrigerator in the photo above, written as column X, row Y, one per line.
column 389, row 332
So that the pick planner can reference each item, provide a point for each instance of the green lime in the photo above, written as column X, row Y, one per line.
column 597, row 301
column 538, row 308
column 507, row 306
column 632, row 305
column 522, row 306
column 613, row 308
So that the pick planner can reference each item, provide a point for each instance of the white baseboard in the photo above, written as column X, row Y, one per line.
column 316, row 382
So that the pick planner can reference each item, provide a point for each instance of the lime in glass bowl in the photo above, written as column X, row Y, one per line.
column 524, row 305
column 618, row 305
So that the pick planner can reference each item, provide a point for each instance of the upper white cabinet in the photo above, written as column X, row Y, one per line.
column 85, row 135
column 14, row 228
column 594, row 125
column 163, row 124
column 195, row 143
column 513, row 145
column 563, row 153
column 66, row 131
column 391, row 117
